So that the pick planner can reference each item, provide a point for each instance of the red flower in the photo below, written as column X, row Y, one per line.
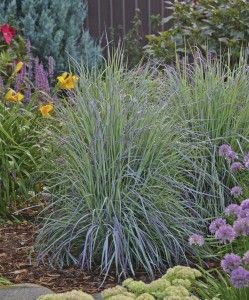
column 8, row 33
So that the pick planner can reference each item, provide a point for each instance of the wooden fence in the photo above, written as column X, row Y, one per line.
column 106, row 16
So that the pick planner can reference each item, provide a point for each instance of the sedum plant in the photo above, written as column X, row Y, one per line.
column 73, row 295
column 116, row 203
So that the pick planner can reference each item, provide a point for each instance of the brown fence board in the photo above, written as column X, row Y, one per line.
column 115, row 16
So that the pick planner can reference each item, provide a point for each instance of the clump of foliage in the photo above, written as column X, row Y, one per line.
column 4, row 281
column 73, row 295
column 177, row 283
column 209, row 102
column 116, row 201
column 213, row 26
column 54, row 27
column 26, row 98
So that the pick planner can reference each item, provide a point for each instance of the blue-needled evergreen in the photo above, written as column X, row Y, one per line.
column 54, row 27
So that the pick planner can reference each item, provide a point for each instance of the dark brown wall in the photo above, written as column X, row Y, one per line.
column 118, row 14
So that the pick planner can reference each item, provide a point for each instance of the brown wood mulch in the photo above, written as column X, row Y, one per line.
column 18, row 264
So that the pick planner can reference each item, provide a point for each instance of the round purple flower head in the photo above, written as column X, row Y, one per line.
column 224, row 150
column 246, row 160
column 196, row 239
column 233, row 210
column 236, row 191
column 216, row 224
column 246, row 258
column 245, row 204
column 240, row 278
column 225, row 234
column 236, row 167
column 230, row 262
column 241, row 226
column 244, row 213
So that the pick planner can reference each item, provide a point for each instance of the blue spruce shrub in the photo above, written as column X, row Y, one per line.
column 54, row 27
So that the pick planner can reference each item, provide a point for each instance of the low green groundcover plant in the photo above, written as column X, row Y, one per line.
column 116, row 203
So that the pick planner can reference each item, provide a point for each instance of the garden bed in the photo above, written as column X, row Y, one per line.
column 18, row 264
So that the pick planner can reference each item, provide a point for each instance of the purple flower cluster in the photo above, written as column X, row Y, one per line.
column 196, row 239
column 231, row 264
column 236, row 191
column 240, row 278
column 226, row 151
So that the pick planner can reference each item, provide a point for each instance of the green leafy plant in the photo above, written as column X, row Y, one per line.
column 213, row 26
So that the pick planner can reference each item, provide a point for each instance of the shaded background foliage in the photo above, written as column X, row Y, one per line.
column 55, row 28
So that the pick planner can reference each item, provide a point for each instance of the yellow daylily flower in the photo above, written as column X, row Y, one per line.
column 67, row 81
column 46, row 109
column 18, row 67
column 13, row 96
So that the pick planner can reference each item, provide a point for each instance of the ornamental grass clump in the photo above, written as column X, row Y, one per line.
column 116, row 204
column 209, row 100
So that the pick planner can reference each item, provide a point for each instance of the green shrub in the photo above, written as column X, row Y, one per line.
column 116, row 199
column 55, row 28
column 211, row 25
column 22, row 146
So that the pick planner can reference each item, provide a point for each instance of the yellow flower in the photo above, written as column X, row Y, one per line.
column 13, row 96
column 18, row 67
column 46, row 109
column 67, row 81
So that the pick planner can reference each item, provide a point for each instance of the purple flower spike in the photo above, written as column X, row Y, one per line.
column 240, row 278
column 246, row 258
column 236, row 167
column 241, row 226
column 225, row 234
column 233, row 210
column 245, row 204
column 236, row 191
column 216, row 224
column 196, row 239
column 230, row 262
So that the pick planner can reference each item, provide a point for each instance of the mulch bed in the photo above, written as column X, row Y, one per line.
column 18, row 264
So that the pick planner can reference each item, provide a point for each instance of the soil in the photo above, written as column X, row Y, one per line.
column 18, row 264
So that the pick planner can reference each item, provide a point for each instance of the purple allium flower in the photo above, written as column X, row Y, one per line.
column 196, row 239
column 240, row 278
column 236, row 191
column 226, row 151
column 246, row 160
column 241, row 226
column 233, row 210
column 230, row 262
column 245, row 204
column 236, row 167
column 244, row 213
column 225, row 234
column 246, row 258
column 216, row 224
